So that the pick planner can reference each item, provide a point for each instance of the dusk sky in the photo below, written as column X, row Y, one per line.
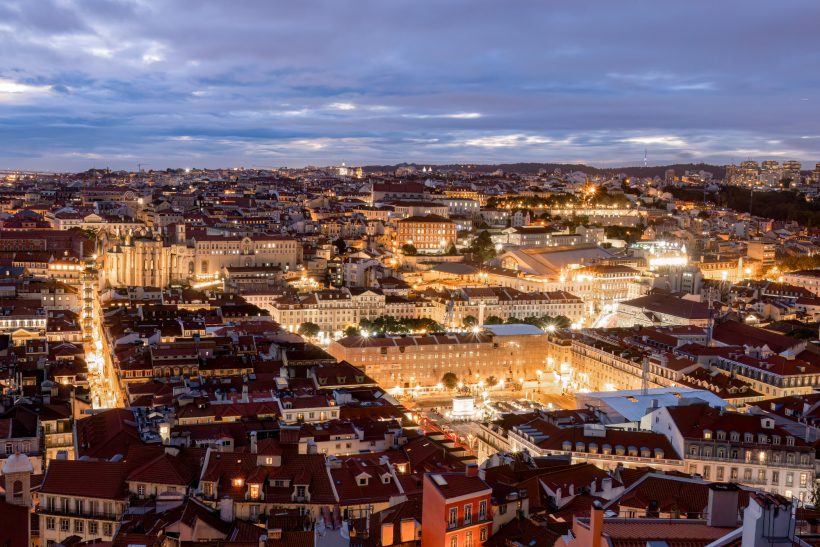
column 269, row 83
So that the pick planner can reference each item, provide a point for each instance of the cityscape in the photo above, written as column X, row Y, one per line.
column 411, row 275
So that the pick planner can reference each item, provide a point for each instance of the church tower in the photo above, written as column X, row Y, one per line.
column 18, row 470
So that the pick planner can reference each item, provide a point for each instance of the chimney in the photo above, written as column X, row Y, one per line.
column 226, row 509
column 606, row 487
column 767, row 520
column 596, row 523
column 471, row 470
column 387, row 534
column 721, row 509
column 253, row 442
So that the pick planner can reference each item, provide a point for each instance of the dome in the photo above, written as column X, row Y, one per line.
column 17, row 463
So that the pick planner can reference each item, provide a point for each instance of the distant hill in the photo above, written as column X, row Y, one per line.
column 718, row 171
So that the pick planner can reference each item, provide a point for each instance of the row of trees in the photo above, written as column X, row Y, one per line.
column 540, row 321
column 387, row 324
column 450, row 380
column 785, row 205
column 599, row 197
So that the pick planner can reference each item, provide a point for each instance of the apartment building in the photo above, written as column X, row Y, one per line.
column 82, row 498
column 607, row 448
column 807, row 279
column 740, row 448
column 456, row 509
column 335, row 310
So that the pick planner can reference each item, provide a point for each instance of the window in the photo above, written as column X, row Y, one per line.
column 761, row 475
column 79, row 525
column 483, row 535
column 482, row 510
column 803, row 479
column 93, row 528
column 9, row 449
column 50, row 523
column 468, row 513
column 789, row 480
column 502, row 508
column 775, row 477
column 454, row 541
column 747, row 474
column 720, row 473
column 141, row 490
column 468, row 539
column 108, row 529
column 64, row 525
column 452, row 520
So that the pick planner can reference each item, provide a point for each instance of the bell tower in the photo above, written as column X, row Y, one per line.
column 17, row 470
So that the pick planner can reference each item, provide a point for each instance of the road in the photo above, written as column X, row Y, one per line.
column 101, row 379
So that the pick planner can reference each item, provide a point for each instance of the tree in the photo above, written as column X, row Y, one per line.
column 494, row 320
column 562, row 322
column 492, row 381
column 352, row 331
column 470, row 322
column 451, row 249
column 449, row 380
column 814, row 495
column 482, row 247
column 340, row 245
column 409, row 249
column 310, row 330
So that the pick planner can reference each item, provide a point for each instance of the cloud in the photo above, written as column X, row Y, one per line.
column 205, row 82
column 660, row 140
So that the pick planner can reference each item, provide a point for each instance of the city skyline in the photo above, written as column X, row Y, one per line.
column 258, row 85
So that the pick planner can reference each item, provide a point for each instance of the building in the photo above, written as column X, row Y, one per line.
column 764, row 252
column 396, row 191
column 807, row 279
column 508, row 352
column 149, row 259
column 740, row 448
column 662, row 310
column 82, row 498
column 456, row 511
column 428, row 234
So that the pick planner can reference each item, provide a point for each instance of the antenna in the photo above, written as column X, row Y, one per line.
column 644, row 157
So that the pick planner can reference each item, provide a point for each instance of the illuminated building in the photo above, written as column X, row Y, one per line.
column 428, row 234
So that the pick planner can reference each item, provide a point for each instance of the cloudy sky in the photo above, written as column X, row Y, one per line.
column 184, row 83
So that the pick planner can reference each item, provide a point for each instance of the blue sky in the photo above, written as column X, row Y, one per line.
column 270, row 83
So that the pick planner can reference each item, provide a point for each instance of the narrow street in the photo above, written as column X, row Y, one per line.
column 101, row 382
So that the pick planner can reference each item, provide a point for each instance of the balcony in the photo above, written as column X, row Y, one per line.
column 92, row 515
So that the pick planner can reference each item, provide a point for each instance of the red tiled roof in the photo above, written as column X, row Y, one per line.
column 93, row 479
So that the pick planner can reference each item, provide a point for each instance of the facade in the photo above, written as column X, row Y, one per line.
column 807, row 279
column 428, row 234
column 740, row 448
column 409, row 361
column 82, row 498
column 148, row 259
column 456, row 510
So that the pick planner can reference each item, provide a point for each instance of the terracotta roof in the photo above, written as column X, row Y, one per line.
column 93, row 479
